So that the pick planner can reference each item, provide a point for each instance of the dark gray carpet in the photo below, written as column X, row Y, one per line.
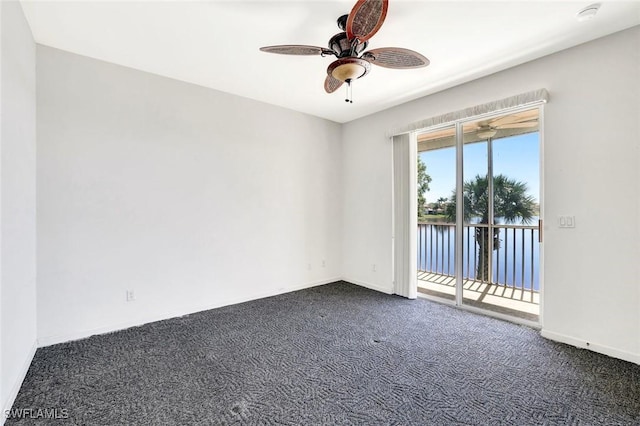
column 335, row 354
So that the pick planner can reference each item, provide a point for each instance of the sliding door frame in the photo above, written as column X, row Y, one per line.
column 459, row 235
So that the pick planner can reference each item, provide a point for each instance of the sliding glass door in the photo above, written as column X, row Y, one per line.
column 498, row 198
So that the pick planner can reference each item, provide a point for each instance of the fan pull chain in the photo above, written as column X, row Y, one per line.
column 349, row 97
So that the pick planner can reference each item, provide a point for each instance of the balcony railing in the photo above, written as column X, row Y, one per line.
column 513, row 254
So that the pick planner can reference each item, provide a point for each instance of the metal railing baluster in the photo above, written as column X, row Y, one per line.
column 420, row 247
column 532, row 264
column 506, row 256
column 496, row 278
column 431, row 251
column 513, row 269
column 475, row 259
column 442, row 252
column 448, row 250
column 468, row 256
column 522, row 255
column 437, row 242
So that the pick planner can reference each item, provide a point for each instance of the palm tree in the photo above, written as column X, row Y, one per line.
column 510, row 203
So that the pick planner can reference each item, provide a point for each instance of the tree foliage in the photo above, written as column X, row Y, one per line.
column 510, row 203
column 423, row 186
column 510, row 200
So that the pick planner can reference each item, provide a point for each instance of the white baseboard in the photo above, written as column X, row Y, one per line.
column 81, row 334
column 605, row 350
column 8, row 402
column 370, row 286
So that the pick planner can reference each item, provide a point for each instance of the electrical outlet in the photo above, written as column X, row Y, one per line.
column 324, row 264
column 308, row 266
column 131, row 296
column 374, row 268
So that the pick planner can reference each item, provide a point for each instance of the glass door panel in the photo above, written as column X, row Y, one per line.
column 436, row 219
column 501, row 212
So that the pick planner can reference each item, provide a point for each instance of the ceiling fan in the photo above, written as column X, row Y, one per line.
column 364, row 20
column 489, row 128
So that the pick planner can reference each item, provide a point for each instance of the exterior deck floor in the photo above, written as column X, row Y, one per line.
column 519, row 303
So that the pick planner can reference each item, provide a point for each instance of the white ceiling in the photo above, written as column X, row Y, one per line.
column 215, row 43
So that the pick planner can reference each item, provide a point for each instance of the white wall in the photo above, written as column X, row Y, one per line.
column 18, row 200
column 190, row 197
column 591, row 160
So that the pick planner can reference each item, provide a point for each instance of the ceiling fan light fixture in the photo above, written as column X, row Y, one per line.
column 348, row 68
column 346, row 72
column 486, row 133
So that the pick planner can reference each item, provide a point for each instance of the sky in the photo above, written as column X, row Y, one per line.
column 517, row 157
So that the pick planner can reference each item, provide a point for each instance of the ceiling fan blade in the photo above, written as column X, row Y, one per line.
column 395, row 57
column 331, row 84
column 523, row 125
column 474, row 128
column 518, row 117
column 297, row 49
column 366, row 18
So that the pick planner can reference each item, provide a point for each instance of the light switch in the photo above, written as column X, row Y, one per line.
column 567, row 221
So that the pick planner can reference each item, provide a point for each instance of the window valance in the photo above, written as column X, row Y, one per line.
column 521, row 100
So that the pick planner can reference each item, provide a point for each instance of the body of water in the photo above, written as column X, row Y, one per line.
column 515, row 261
